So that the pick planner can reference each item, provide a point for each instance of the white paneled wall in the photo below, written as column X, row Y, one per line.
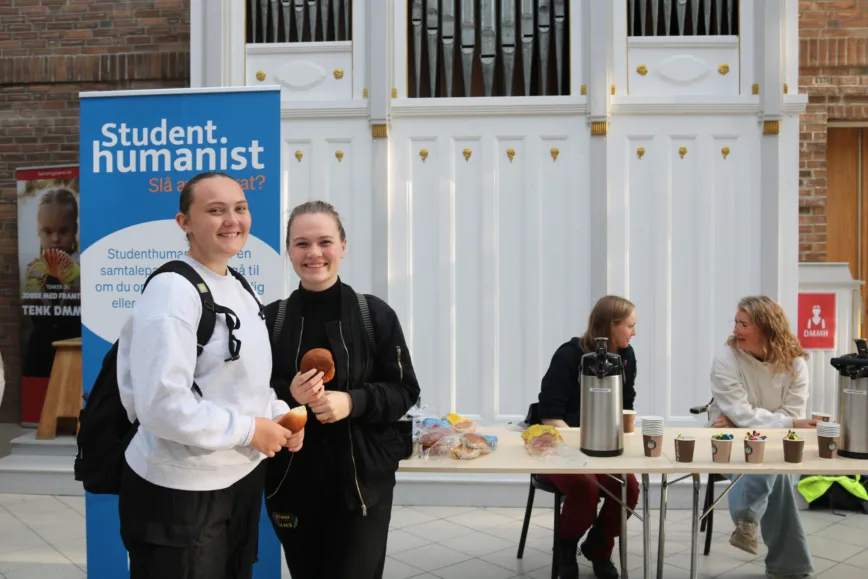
column 488, row 266
column 689, row 219
column 832, row 278
column 334, row 166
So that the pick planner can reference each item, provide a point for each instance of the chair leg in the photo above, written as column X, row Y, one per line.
column 709, row 520
column 526, row 522
column 556, row 533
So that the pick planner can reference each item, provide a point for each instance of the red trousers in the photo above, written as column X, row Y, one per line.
column 581, row 495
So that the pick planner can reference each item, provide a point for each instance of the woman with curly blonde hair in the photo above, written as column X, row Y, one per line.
column 760, row 380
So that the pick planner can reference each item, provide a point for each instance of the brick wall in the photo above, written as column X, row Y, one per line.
column 49, row 51
column 833, row 54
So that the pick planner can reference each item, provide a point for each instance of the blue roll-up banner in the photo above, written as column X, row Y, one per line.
column 137, row 150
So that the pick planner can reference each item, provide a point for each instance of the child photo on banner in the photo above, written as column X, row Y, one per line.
column 48, row 254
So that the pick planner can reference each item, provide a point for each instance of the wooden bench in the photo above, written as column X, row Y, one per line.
column 63, row 401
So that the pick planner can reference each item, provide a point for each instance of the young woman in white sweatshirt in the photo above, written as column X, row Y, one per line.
column 192, row 484
column 760, row 380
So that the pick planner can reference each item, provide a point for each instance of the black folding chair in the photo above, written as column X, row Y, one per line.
column 543, row 485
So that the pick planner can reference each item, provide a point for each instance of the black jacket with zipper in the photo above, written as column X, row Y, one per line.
column 363, row 450
column 560, row 395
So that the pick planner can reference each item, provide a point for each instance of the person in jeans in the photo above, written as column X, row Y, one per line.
column 760, row 380
column 559, row 405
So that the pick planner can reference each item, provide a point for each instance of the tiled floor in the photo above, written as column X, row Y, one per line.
column 43, row 537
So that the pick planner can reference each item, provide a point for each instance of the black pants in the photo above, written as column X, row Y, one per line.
column 174, row 534
column 325, row 540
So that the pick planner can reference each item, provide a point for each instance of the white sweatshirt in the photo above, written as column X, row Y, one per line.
column 751, row 395
column 184, row 441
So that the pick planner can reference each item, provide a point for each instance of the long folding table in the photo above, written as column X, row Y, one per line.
column 773, row 463
column 511, row 457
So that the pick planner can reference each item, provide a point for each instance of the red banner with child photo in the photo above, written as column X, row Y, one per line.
column 48, row 257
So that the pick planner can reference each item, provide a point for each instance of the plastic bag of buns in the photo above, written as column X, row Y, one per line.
column 432, row 437
column 461, row 424
column 545, row 442
column 459, row 446
column 439, row 444
column 540, row 439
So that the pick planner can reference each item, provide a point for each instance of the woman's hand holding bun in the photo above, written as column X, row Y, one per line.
column 307, row 386
column 319, row 359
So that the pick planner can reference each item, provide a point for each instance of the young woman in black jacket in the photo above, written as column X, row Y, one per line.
column 331, row 503
column 559, row 405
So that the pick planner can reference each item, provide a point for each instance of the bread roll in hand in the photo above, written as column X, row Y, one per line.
column 322, row 360
column 294, row 420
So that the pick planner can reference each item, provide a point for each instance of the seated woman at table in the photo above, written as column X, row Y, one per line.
column 760, row 380
column 615, row 318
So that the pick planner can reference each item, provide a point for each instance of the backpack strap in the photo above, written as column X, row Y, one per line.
column 246, row 285
column 209, row 309
column 366, row 320
column 278, row 321
column 363, row 309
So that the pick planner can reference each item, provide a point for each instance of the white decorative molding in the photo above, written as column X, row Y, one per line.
column 768, row 16
column 175, row 91
column 693, row 105
column 293, row 48
column 360, row 48
column 577, row 50
column 300, row 75
column 683, row 69
column 683, row 42
column 791, row 46
column 233, row 33
column 600, row 58
column 794, row 104
column 827, row 275
column 323, row 110
column 489, row 107
column 620, row 49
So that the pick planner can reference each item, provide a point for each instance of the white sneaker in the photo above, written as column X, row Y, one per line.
column 744, row 537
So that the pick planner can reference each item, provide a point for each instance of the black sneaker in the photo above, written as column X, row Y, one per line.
column 568, row 566
column 603, row 566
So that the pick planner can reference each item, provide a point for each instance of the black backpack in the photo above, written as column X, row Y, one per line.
column 104, row 428
column 363, row 309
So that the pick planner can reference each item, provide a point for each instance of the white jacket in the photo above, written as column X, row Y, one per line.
column 752, row 396
column 186, row 441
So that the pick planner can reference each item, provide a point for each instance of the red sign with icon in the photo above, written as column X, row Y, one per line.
column 817, row 314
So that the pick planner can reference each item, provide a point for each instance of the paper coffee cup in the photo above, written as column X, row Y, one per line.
column 652, row 426
column 721, row 450
column 653, row 445
column 684, row 448
column 754, row 451
column 629, row 421
column 821, row 416
column 828, row 446
column 793, row 450
column 829, row 429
